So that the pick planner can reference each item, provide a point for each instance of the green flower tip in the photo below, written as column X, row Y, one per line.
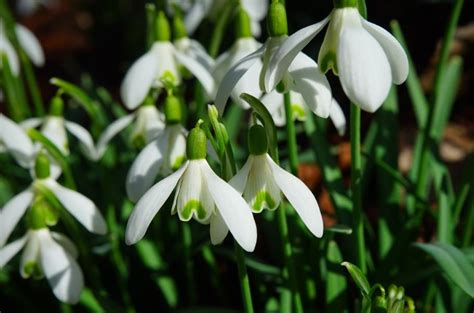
column 196, row 143
column 276, row 22
column 56, row 106
column 243, row 26
column 42, row 214
column 173, row 110
column 258, row 143
column 32, row 269
column 149, row 100
column 163, row 32
column 179, row 29
column 340, row 4
column 42, row 166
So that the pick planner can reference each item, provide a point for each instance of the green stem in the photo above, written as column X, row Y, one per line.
column 356, row 187
column 32, row 84
column 291, row 133
column 220, row 28
column 191, row 283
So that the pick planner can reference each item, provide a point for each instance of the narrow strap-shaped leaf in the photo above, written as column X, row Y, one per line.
column 358, row 277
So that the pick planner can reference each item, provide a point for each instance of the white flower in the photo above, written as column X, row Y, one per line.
column 148, row 124
column 162, row 62
column 243, row 81
column 367, row 58
column 256, row 9
column 13, row 139
column 202, row 195
column 164, row 154
column 261, row 180
column 78, row 205
column 52, row 255
column 303, row 77
column 194, row 50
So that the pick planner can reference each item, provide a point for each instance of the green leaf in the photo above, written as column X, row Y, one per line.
column 336, row 284
column 339, row 229
column 453, row 263
column 358, row 277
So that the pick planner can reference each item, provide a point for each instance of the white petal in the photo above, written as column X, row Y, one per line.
column 312, row 84
column 110, row 132
column 234, row 210
column 273, row 101
column 81, row 207
column 144, row 169
column 393, row 49
column 16, row 141
column 364, row 70
column 139, row 80
column 30, row 45
column 12, row 212
column 53, row 128
column 176, row 147
column 239, row 181
column 300, row 197
column 256, row 9
column 234, row 75
column 196, row 14
column 63, row 273
column 337, row 117
column 256, row 28
column 10, row 250
column 84, row 138
column 31, row 123
column 148, row 205
column 195, row 50
column 31, row 252
column 218, row 229
column 7, row 48
column 66, row 243
column 282, row 59
column 249, row 83
column 200, row 72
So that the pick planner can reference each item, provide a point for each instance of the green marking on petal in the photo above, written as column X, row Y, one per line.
column 32, row 269
column 298, row 112
column 138, row 141
column 329, row 61
column 178, row 162
column 169, row 80
column 263, row 200
column 193, row 206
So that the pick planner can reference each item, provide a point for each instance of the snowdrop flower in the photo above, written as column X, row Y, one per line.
column 160, row 66
column 148, row 123
column 303, row 76
column 261, row 181
column 78, row 205
column 50, row 254
column 13, row 139
column 257, row 10
column 367, row 58
column 200, row 194
column 247, row 81
column 163, row 155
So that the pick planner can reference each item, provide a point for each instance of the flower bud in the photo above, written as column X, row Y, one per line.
column 257, row 140
column 277, row 23
column 42, row 166
column 173, row 110
column 243, row 26
column 179, row 29
column 339, row 4
column 196, row 143
column 56, row 106
column 162, row 25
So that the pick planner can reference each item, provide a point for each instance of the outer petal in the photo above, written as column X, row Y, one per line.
column 7, row 48
column 234, row 75
column 144, row 169
column 393, row 49
column 66, row 243
column 196, row 14
column 81, row 207
column 257, row 9
column 31, row 122
column 30, row 45
column 12, row 213
column 53, row 129
column 110, row 132
column 300, row 197
column 16, row 141
column 337, row 117
column 312, row 84
column 364, row 70
column 234, row 210
column 282, row 59
column 151, row 202
column 239, row 181
column 199, row 71
column 63, row 273
column 84, row 137
column 273, row 101
column 10, row 250
column 218, row 229
column 139, row 79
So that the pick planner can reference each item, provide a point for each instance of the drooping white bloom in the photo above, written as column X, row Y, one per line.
column 367, row 58
column 13, row 139
column 194, row 50
column 202, row 195
column 247, row 80
column 257, row 10
column 163, row 155
column 148, row 123
column 78, row 205
column 50, row 254
column 261, row 182
column 162, row 62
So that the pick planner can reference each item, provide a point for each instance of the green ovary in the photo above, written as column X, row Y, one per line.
column 263, row 200
column 193, row 206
